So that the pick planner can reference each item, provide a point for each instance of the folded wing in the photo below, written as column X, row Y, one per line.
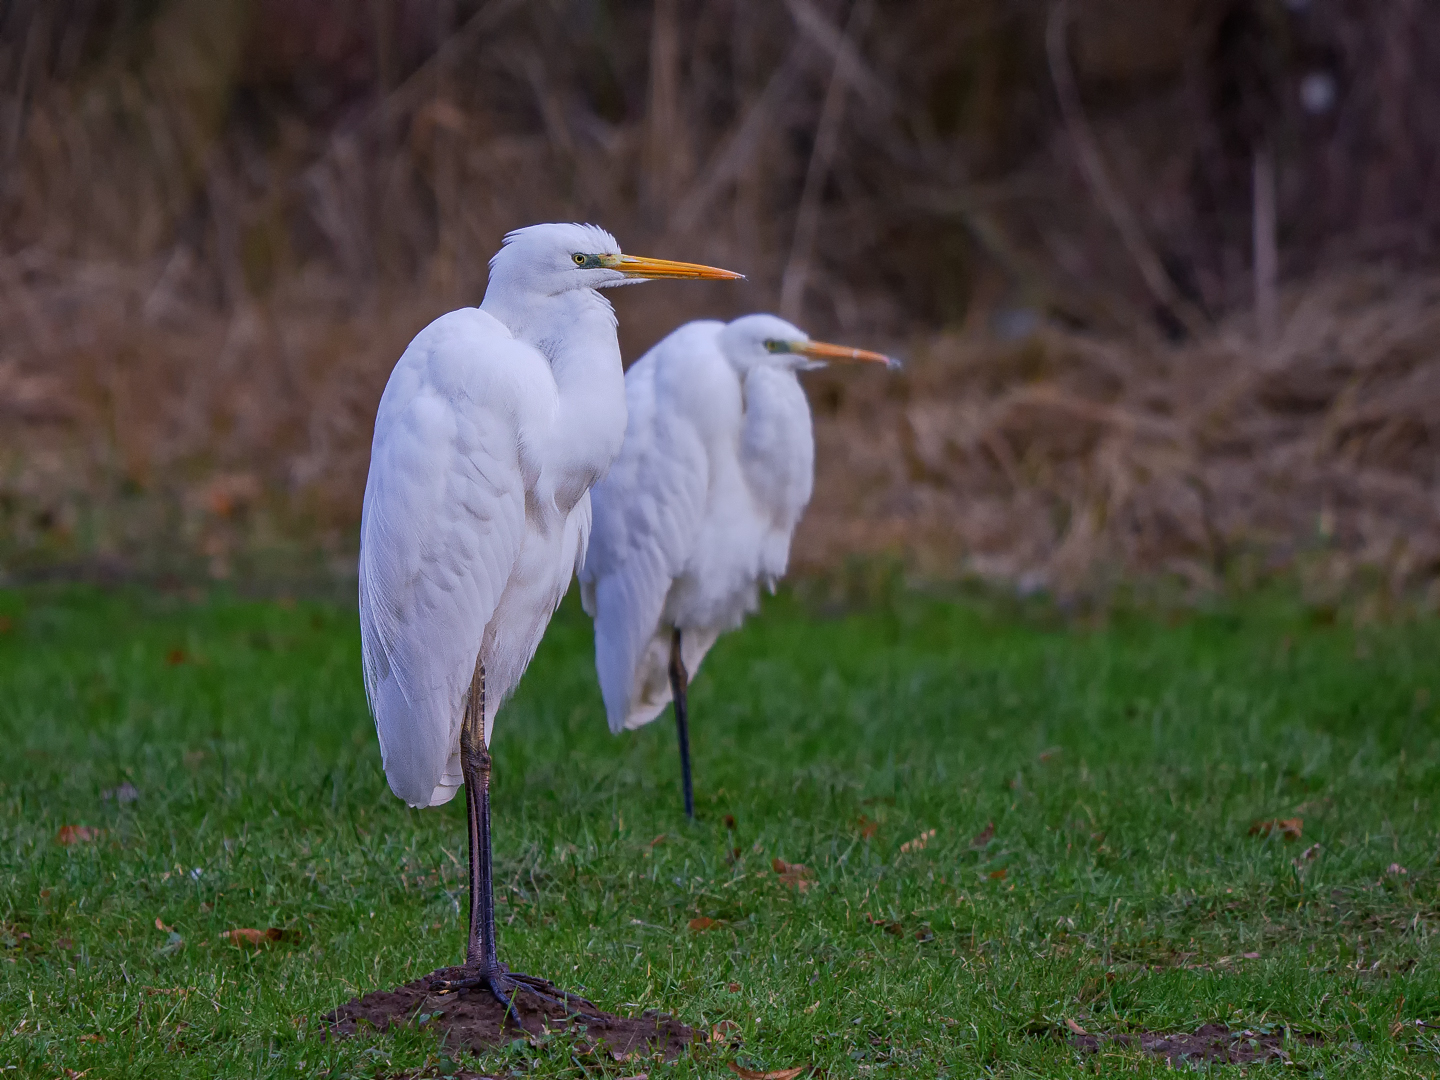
column 648, row 510
column 443, row 521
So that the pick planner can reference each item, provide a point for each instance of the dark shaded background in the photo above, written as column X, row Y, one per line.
column 222, row 220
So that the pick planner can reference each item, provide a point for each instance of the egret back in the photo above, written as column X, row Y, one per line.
column 648, row 511
column 442, row 526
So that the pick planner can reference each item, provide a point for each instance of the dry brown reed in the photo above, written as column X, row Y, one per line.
column 1063, row 460
column 221, row 220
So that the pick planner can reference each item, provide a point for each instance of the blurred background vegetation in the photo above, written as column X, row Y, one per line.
column 1164, row 270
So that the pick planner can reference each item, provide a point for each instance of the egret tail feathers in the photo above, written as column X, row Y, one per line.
column 449, row 783
column 651, row 690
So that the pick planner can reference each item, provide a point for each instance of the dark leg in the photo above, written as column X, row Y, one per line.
column 475, row 767
column 482, row 966
column 679, row 683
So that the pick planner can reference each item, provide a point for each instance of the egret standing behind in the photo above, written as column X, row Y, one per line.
column 698, row 510
column 494, row 425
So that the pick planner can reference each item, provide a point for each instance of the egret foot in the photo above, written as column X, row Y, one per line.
column 482, row 969
column 503, row 984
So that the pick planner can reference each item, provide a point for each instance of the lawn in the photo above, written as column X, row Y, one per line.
column 1121, row 889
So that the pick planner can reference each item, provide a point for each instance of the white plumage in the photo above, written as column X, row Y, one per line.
column 698, row 511
column 494, row 424
column 493, row 427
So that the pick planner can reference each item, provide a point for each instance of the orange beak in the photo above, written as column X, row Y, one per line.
column 636, row 266
column 820, row 350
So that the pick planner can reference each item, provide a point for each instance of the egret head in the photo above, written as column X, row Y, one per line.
column 769, row 341
column 556, row 258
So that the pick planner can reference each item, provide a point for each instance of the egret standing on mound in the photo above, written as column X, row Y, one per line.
column 493, row 427
column 698, row 510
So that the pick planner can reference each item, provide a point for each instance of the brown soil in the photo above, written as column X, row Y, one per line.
column 475, row 1021
column 1211, row 1042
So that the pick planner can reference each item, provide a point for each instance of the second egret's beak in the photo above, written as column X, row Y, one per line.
column 636, row 266
column 821, row 350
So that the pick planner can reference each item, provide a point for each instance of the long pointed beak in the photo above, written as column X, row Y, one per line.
column 822, row 350
column 636, row 266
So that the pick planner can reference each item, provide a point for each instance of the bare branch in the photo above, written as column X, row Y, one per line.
column 1097, row 176
column 1267, row 247
column 822, row 155
column 840, row 46
column 729, row 162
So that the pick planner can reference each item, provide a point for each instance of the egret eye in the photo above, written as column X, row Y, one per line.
column 771, row 345
column 579, row 259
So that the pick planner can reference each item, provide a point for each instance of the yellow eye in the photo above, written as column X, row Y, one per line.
column 579, row 259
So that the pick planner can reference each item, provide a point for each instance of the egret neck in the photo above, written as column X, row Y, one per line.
column 575, row 331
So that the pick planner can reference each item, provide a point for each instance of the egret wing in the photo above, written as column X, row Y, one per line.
column 647, row 512
column 777, row 452
column 443, row 521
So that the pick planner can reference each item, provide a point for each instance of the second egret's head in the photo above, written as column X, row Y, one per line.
column 769, row 341
column 556, row 258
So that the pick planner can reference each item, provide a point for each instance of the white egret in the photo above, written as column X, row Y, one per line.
column 494, row 425
column 698, row 510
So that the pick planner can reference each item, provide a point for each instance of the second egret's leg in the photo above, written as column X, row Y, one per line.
column 480, row 951
column 679, row 684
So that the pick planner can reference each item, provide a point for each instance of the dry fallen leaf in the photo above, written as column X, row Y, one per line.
column 998, row 875
column 161, row 926
column 658, row 840
column 775, row 1074
column 1075, row 1027
column 77, row 834
column 1290, row 828
column 726, row 1030
column 730, row 822
column 704, row 922
column 175, row 657
column 918, row 844
column 885, row 924
column 249, row 936
column 94, row 1037
column 984, row 836
column 734, row 988
column 796, row 875
column 867, row 827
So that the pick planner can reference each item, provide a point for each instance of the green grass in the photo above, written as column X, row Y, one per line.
column 1122, row 768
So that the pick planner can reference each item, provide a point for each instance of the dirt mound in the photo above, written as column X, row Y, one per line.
column 475, row 1021
column 1211, row 1042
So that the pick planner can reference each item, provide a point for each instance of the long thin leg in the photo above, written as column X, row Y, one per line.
column 679, row 684
column 480, row 951
column 475, row 767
